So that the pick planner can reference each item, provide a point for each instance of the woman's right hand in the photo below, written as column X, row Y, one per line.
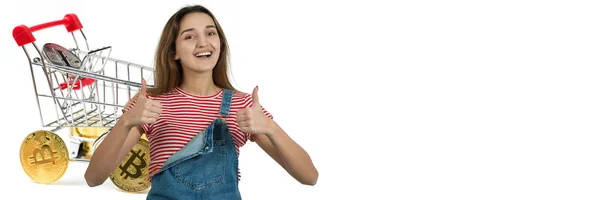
column 144, row 111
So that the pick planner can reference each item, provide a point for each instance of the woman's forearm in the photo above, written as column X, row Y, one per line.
column 104, row 159
column 295, row 159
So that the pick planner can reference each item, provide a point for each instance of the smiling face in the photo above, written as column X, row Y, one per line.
column 197, row 46
column 188, row 37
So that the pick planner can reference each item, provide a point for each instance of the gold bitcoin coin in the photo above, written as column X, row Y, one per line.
column 44, row 156
column 132, row 174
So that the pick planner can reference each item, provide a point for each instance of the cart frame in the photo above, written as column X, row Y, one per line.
column 77, row 104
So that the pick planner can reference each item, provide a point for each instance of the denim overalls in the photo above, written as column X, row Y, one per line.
column 206, row 168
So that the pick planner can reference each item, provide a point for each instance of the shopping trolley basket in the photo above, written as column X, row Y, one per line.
column 74, row 88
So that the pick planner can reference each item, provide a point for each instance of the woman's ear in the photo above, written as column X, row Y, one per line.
column 176, row 57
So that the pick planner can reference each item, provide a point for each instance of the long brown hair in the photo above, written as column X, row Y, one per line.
column 168, row 73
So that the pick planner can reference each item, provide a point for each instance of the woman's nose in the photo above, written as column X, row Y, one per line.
column 202, row 42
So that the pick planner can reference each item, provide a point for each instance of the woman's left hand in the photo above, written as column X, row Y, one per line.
column 252, row 119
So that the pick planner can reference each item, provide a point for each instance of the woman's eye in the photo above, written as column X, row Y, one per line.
column 212, row 33
column 189, row 37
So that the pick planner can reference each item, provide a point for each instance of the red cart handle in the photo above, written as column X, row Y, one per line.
column 24, row 35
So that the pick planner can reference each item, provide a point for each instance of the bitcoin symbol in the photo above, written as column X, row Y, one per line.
column 41, row 152
column 138, row 168
column 132, row 174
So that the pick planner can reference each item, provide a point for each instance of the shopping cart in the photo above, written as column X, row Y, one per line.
column 84, row 91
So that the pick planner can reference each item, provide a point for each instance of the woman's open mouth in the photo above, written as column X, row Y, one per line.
column 204, row 55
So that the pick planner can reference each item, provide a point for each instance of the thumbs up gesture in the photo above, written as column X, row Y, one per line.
column 145, row 110
column 252, row 119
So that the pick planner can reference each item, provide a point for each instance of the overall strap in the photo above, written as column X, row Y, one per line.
column 226, row 102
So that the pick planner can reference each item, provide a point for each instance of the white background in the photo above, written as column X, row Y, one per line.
column 392, row 99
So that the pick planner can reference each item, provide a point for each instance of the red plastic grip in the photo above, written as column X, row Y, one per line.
column 24, row 35
column 78, row 83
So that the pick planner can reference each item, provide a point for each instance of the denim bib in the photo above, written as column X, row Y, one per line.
column 205, row 168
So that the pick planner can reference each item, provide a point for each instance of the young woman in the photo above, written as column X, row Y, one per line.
column 195, row 121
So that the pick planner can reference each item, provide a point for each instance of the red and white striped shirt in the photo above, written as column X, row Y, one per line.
column 183, row 116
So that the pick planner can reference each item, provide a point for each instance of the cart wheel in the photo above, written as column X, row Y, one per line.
column 85, row 148
column 132, row 173
column 44, row 156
